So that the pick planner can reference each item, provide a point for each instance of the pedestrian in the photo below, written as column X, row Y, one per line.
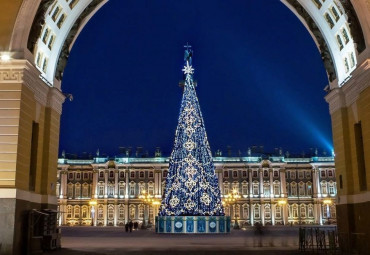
column 126, row 227
column 130, row 225
column 136, row 225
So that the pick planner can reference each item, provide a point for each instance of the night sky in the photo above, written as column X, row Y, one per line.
column 260, row 77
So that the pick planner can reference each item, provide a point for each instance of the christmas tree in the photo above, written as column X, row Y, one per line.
column 191, row 185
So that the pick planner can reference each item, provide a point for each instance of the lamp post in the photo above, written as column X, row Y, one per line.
column 327, row 202
column 282, row 203
column 149, row 200
column 230, row 199
column 92, row 204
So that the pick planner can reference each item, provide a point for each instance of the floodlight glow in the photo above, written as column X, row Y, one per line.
column 5, row 57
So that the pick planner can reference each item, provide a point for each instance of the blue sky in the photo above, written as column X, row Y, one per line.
column 260, row 77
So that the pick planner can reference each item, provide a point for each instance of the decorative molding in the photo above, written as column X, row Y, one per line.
column 55, row 99
column 349, row 93
column 354, row 199
column 28, row 196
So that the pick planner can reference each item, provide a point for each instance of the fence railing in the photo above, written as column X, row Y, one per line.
column 318, row 240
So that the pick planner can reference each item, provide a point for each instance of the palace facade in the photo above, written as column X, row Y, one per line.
column 270, row 190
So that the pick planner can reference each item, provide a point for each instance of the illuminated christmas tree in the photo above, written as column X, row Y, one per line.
column 192, row 185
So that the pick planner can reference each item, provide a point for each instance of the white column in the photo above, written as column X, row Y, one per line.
column 127, row 173
column 105, row 212
column 283, row 183
column 115, row 214
column 285, row 214
column 271, row 183
column 105, row 183
column 251, row 214
column 263, row 214
column 116, row 183
column 261, row 182
column 273, row 207
column 63, row 184
column 250, row 182
column 95, row 184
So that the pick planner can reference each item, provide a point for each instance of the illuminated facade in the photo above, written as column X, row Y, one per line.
column 274, row 191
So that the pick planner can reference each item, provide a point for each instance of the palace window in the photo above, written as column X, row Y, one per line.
column 132, row 190
column 346, row 64
column 132, row 174
column 310, row 211
column 266, row 189
column 151, row 188
column 295, row 211
column 78, row 176
column 165, row 172
column 335, row 13
column 77, row 212
column 85, row 190
column 303, row 211
column 226, row 174
column 245, row 211
column 257, row 211
column 323, row 173
column 352, row 59
column 56, row 13
column 276, row 173
column 70, row 176
column 69, row 211
column 278, row 211
column 110, row 189
column 324, row 188
column 226, row 188
column 245, row 188
column 255, row 174
column 132, row 211
column 265, row 173
column 340, row 43
column 141, row 188
column 293, row 189
column 101, row 174
column 267, row 211
column 100, row 212
column 333, row 212
column 84, row 212
column 317, row 3
column 121, row 212
column 331, row 188
column 86, row 176
column 46, row 35
column 61, row 20
column 151, row 212
column 141, row 174
column 110, row 212
column 300, row 174
column 141, row 211
column 111, row 174
column 121, row 174
column 330, row 173
column 73, row 3
column 101, row 189
column 292, row 175
column 255, row 189
column 235, row 174
column 329, row 20
column 151, row 174
column 236, row 187
column 309, row 188
column 121, row 189
column 308, row 174
column 245, row 175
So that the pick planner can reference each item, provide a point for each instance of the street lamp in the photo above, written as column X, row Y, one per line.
column 229, row 199
column 148, row 200
column 92, row 204
column 327, row 202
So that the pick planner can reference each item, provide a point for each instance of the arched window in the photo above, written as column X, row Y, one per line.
column 151, row 188
column 141, row 188
column 310, row 211
column 332, row 188
column 295, row 211
column 235, row 186
column 77, row 212
column 266, row 189
column 255, row 188
column 245, row 188
column 122, row 189
column 101, row 189
column 132, row 188
column 226, row 188
column 278, row 212
column 276, row 188
column 257, row 210
column 85, row 190
column 309, row 188
column 324, row 188
column 245, row 211
column 121, row 212
column 70, row 190
column 293, row 189
column 84, row 212
column 237, row 210
column 69, row 211
column 303, row 211
column 141, row 211
column 110, row 212
column 132, row 212
column 110, row 189
column 267, row 211
column 100, row 212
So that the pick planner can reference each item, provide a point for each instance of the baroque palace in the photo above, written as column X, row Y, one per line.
column 270, row 190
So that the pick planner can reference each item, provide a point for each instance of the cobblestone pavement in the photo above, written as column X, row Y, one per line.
column 114, row 240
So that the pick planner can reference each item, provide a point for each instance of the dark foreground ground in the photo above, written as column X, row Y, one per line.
column 114, row 240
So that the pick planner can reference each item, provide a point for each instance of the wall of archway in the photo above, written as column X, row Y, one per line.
column 36, row 37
